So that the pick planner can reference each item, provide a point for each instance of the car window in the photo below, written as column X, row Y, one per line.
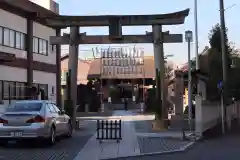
column 48, row 108
column 24, row 107
column 51, row 108
column 56, row 108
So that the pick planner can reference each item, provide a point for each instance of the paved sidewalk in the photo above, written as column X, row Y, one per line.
column 128, row 146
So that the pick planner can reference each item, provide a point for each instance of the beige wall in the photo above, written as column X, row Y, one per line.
column 14, row 22
column 20, row 24
column 17, row 23
column 44, row 32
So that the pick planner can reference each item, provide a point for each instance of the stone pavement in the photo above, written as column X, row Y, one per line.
column 128, row 146
column 223, row 148
column 133, row 143
column 158, row 144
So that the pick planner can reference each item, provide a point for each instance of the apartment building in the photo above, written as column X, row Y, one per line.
column 26, row 57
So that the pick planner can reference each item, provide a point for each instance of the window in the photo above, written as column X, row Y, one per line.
column 12, row 90
column 45, row 47
column 23, row 41
column 1, row 35
column 56, row 108
column 35, row 45
column 1, row 90
column 40, row 46
column 51, row 108
column 45, row 88
column 22, row 90
column 23, row 107
column 54, row 48
column 18, row 40
column 53, row 90
column 11, row 38
column 18, row 90
column 6, row 36
column 64, row 75
column 5, row 90
column 36, row 85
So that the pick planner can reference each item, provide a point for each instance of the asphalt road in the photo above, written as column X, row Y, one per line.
column 223, row 148
column 65, row 148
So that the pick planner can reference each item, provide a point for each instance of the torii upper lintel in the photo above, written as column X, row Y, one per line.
column 63, row 21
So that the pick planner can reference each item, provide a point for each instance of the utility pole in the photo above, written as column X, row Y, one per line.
column 224, row 61
column 196, row 32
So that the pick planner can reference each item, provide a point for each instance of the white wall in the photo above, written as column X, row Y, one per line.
column 48, row 4
column 14, row 22
column 43, row 3
column 209, row 114
column 46, row 78
column 44, row 32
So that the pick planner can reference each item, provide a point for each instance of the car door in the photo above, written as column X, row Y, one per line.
column 62, row 120
column 55, row 116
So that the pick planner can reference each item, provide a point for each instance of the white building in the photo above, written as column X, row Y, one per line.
column 26, row 57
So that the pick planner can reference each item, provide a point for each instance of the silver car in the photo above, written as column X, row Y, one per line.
column 34, row 119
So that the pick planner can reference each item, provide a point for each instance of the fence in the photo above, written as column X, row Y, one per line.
column 109, row 130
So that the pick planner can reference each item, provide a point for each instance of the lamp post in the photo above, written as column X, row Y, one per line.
column 189, row 39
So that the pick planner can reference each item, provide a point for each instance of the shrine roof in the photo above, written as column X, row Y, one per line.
column 148, row 66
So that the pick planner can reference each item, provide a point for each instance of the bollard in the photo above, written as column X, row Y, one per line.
column 86, row 108
column 109, row 100
column 133, row 99
column 102, row 107
column 183, row 135
column 142, row 107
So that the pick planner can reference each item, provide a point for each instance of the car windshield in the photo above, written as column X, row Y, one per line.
column 24, row 107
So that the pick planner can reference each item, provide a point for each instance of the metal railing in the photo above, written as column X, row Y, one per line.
column 109, row 130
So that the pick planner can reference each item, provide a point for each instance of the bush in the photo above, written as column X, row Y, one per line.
column 152, row 103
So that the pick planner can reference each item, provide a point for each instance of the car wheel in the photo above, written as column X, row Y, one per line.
column 52, row 139
column 70, row 130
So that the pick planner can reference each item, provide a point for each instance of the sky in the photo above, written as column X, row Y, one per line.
column 208, row 16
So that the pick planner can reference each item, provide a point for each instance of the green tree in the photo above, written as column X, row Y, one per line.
column 215, row 63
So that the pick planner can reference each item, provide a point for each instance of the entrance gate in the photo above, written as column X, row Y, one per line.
column 115, row 23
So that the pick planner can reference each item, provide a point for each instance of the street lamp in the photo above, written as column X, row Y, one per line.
column 189, row 39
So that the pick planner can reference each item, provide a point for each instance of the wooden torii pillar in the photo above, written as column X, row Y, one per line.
column 115, row 23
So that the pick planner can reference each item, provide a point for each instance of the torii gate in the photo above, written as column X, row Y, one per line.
column 115, row 23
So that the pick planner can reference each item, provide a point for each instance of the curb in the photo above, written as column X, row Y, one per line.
column 182, row 149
